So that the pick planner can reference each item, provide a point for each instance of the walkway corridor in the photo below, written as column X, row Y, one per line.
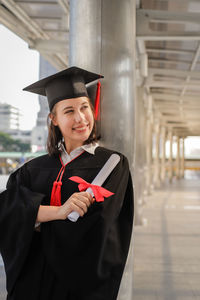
column 167, row 249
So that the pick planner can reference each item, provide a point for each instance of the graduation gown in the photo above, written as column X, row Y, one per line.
column 65, row 260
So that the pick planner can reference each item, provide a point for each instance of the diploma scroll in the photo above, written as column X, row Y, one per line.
column 99, row 180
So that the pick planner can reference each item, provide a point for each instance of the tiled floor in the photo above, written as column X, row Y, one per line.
column 167, row 249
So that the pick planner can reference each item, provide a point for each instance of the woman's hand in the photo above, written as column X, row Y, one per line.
column 78, row 202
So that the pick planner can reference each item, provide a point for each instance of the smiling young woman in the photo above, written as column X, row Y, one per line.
column 73, row 121
column 47, row 256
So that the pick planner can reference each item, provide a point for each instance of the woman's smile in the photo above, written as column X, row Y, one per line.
column 81, row 128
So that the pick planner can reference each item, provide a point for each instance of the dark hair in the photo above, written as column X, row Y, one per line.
column 55, row 138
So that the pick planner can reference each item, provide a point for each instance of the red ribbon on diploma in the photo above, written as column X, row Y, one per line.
column 98, row 191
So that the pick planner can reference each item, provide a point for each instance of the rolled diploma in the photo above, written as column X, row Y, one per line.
column 99, row 180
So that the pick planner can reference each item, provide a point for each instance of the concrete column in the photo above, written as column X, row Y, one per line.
column 178, row 159
column 85, row 36
column 163, row 159
column 182, row 157
column 102, row 40
column 170, row 161
column 149, row 130
column 140, row 158
column 157, row 155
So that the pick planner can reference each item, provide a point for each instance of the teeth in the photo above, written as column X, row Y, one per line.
column 81, row 128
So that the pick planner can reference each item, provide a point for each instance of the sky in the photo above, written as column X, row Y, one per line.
column 19, row 67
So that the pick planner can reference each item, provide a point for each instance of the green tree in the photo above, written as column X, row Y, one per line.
column 7, row 143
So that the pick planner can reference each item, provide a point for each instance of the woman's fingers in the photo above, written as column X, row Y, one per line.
column 79, row 209
column 87, row 195
column 78, row 202
column 82, row 200
column 81, row 204
column 85, row 198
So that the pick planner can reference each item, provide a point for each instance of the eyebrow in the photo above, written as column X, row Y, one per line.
column 70, row 107
column 86, row 102
column 67, row 107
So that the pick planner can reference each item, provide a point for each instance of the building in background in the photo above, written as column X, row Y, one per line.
column 39, row 132
column 23, row 135
column 9, row 123
column 9, row 117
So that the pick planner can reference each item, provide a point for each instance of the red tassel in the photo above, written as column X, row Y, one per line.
column 56, row 194
column 53, row 193
column 56, row 190
column 97, row 101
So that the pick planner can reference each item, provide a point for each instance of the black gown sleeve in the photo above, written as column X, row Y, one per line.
column 18, row 213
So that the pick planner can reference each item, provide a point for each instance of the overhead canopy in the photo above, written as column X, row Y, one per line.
column 168, row 36
column 168, row 46
column 44, row 25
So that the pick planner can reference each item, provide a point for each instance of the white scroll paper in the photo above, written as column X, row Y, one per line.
column 99, row 180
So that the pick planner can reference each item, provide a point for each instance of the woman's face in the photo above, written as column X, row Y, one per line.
column 75, row 119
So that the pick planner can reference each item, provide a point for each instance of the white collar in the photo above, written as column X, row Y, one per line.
column 90, row 148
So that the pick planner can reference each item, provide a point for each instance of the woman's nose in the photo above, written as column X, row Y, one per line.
column 79, row 116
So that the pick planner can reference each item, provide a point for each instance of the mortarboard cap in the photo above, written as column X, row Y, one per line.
column 66, row 84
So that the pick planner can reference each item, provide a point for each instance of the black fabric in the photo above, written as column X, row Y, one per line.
column 66, row 261
column 66, row 84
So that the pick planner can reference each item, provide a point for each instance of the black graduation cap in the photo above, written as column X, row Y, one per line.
column 66, row 84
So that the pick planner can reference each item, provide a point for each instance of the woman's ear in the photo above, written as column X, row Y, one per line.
column 52, row 117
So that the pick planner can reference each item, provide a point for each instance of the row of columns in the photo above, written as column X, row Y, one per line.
column 159, row 152
column 160, row 163
column 165, row 165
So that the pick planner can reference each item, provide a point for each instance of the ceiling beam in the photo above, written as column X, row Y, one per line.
column 14, row 24
column 174, row 118
column 171, row 84
column 178, row 103
column 24, row 18
column 192, row 67
column 178, row 106
column 168, row 61
column 169, row 79
column 153, row 15
column 169, row 51
column 50, row 46
column 167, row 36
column 65, row 5
column 173, row 72
column 145, row 16
column 48, row 19
column 171, row 97
column 37, row 2
column 34, row 32
column 177, row 111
